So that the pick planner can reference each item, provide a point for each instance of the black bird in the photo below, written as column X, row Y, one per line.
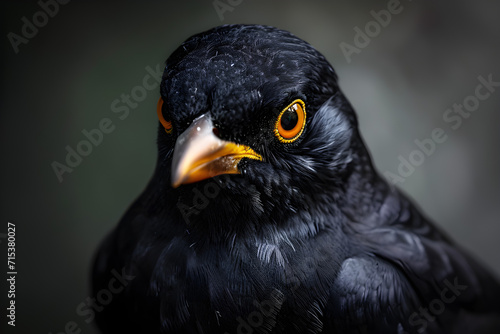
column 266, row 215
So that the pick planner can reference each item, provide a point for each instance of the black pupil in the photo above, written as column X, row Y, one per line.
column 289, row 119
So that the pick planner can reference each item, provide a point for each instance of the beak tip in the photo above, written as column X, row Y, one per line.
column 176, row 181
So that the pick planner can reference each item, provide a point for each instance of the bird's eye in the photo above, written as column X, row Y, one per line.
column 166, row 124
column 291, row 122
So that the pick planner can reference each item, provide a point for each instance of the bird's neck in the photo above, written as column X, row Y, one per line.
column 220, row 210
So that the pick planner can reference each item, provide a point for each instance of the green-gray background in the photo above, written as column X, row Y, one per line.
column 64, row 80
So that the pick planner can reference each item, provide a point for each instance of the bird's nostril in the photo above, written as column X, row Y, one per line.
column 216, row 132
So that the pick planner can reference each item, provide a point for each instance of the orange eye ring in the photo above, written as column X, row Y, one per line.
column 288, row 133
column 166, row 124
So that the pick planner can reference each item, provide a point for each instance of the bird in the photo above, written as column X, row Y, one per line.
column 265, row 213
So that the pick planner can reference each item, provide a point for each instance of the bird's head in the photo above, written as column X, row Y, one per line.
column 259, row 109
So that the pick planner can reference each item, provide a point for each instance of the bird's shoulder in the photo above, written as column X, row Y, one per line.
column 371, row 295
column 405, row 259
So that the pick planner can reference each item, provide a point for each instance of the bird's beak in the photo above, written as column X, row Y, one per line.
column 199, row 154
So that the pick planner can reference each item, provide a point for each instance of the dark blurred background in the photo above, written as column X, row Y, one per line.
column 64, row 79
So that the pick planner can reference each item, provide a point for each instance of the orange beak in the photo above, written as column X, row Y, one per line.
column 199, row 154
